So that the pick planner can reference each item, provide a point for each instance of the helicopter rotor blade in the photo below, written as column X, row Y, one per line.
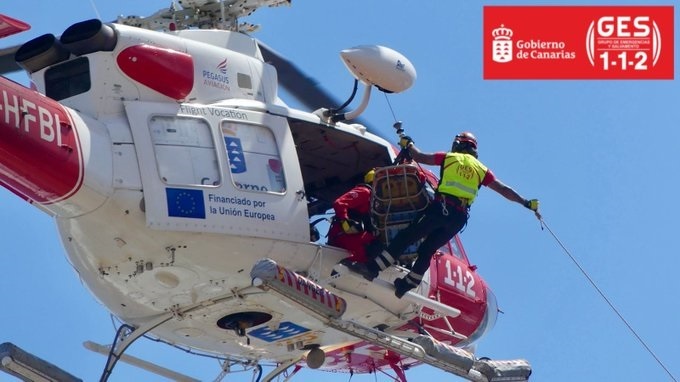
column 304, row 88
column 7, row 62
column 8, row 27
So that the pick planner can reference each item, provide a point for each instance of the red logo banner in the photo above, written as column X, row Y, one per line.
column 578, row 42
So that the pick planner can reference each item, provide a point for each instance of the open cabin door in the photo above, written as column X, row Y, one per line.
column 217, row 169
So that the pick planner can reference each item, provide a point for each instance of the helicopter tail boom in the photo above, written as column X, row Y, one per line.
column 41, row 154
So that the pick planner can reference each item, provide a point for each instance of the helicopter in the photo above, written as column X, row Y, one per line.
column 165, row 222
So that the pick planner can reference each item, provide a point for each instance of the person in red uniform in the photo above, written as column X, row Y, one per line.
column 351, row 227
column 461, row 175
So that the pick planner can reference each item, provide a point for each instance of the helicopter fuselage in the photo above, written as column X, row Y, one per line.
column 171, row 166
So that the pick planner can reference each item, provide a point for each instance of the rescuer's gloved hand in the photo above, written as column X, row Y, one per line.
column 350, row 226
column 405, row 141
column 531, row 204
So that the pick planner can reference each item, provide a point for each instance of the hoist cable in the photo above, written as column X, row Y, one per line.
column 592, row 282
column 390, row 106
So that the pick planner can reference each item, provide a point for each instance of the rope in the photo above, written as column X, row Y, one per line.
column 583, row 271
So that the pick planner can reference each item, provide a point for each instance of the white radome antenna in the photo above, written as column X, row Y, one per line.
column 379, row 66
column 385, row 68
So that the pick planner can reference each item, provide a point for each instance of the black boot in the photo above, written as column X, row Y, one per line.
column 373, row 249
column 368, row 270
column 401, row 286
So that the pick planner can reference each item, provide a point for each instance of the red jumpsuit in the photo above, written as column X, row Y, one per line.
column 355, row 204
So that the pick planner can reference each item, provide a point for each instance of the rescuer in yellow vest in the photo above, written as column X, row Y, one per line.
column 461, row 175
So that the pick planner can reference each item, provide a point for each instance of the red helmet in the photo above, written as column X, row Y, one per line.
column 468, row 137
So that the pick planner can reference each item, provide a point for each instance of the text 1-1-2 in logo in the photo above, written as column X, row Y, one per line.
column 623, row 43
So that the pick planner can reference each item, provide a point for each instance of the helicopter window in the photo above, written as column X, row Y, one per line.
column 185, row 151
column 243, row 81
column 68, row 79
column 254, row 160
column 455, row 248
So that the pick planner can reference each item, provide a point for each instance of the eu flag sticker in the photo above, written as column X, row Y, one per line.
column 184, row 203
column 286, row 330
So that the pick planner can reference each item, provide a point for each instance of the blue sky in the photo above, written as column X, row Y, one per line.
column 600, row 155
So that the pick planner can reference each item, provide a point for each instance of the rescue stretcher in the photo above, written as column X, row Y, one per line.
column 400, row 193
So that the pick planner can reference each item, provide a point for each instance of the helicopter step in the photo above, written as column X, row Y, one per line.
column 440, row 309
column 267, row 274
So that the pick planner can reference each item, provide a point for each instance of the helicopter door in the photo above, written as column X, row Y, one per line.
column 218, row 169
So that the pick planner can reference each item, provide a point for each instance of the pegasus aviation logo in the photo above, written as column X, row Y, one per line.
column 217, row 78
column 502, row 44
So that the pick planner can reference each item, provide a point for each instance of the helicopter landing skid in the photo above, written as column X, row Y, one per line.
column 125, row 336
column 268, row 275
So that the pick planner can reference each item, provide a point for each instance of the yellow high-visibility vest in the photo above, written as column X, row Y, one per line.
column 461, row 176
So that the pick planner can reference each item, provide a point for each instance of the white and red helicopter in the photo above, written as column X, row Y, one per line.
column 186, row 191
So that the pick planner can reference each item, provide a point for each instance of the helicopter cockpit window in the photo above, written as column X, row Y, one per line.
column 68, row 79
column 185, row 151
column 456, row 249
column 254, row 160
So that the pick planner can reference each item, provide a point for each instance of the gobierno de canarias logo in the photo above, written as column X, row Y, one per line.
column 578, row 42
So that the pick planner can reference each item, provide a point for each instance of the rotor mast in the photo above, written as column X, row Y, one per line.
column 202, row 14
